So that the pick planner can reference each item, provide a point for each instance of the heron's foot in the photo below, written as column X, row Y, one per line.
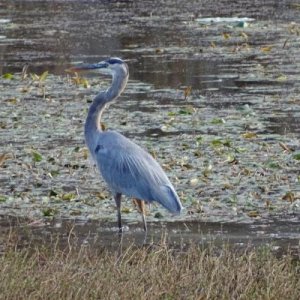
column 121, row 230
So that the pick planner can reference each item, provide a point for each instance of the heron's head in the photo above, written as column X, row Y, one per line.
column 111, row 66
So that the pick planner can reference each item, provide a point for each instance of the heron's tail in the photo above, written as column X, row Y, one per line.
column 168, row 198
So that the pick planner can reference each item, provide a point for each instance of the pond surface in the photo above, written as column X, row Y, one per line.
column 217, row 102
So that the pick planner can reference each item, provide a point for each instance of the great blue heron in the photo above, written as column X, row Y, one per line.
column 126, row 167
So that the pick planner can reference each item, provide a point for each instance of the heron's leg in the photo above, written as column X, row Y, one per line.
column 141, row 206
column 118, row 203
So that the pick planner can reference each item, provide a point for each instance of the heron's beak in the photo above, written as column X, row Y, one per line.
column 87, row 67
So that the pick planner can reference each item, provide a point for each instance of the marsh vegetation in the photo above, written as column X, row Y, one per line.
column 149, row 272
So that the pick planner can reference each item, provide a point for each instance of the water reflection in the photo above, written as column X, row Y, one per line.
column 52, row 33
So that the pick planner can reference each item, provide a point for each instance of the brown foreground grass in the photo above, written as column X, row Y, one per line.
column 147, row 273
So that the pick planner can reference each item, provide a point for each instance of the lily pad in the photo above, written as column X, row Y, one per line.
column 36, row 156
column 296, row 156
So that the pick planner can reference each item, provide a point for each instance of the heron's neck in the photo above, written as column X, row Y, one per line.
column 93, row 120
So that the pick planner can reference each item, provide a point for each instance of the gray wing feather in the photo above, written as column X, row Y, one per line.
column 130, row 170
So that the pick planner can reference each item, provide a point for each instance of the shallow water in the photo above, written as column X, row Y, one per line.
column 242, row 79
column 277, row 234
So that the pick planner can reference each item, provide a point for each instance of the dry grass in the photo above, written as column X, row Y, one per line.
column 147, row 273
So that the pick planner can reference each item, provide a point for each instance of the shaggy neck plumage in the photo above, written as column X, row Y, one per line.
column 93, row 120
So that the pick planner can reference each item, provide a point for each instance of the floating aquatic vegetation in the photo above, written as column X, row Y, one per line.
column 36, row 156
column 8, row 76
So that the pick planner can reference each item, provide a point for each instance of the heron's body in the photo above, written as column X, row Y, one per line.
column 126, row 167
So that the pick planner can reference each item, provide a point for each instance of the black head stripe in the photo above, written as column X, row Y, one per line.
column 113, row 61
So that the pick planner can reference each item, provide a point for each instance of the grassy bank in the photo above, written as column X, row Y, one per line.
column 147, row 273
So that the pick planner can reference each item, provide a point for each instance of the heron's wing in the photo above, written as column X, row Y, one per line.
column 130, row 170
column 125, row 165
